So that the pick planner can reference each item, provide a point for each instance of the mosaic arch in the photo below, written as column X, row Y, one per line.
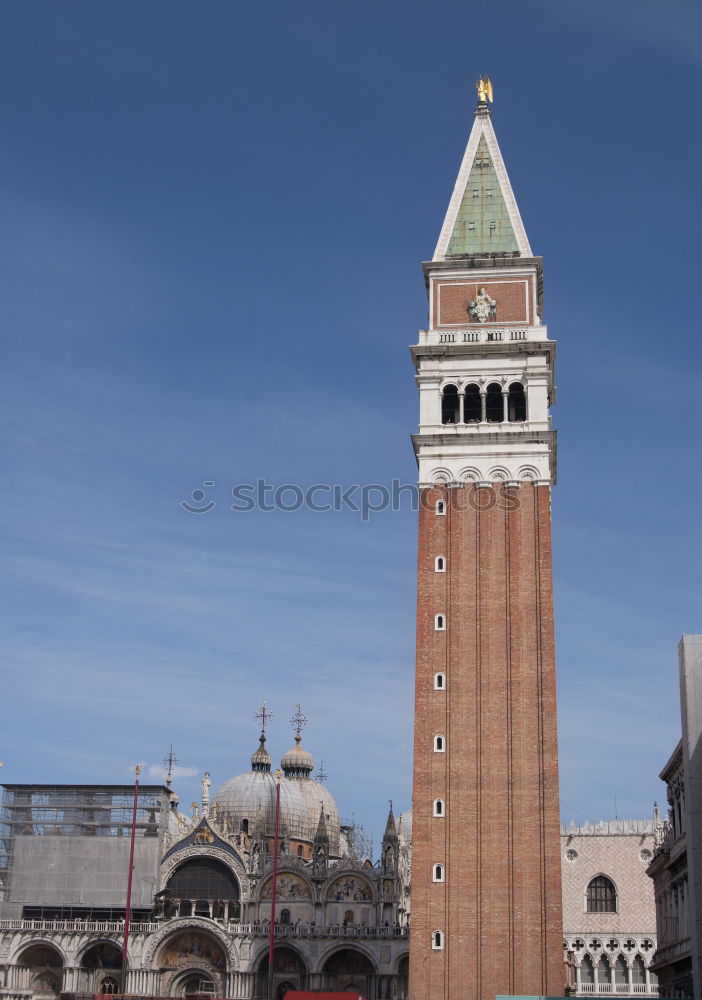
column 288, row 886
column 156, row 943
column 189, row 948
column 350, row 888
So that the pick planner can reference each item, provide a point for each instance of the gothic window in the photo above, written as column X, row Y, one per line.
column 604, row 972
column 440, row 623
column 439, row 682
column 439, row 807
column 472, row 410
column 449, row 405
column 494, row 408
column 516, row 402
column 440, row 507
column 638, row 971
column 440, row 564
column 285, row 916
column 438, row 744
column 108, row 986
column 437, row 940
column 620, row 970
column 438, row 873
column 587, row 970
column 601, row 895
column 300, row 850
column 244, row 826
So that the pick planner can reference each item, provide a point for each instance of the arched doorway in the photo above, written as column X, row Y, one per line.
column 289, row 973
column 402, row 977
column 42, row 970
column 202, row 887
column 193, row 964
column 102, row 968
column 349, row 971
column 194, row 983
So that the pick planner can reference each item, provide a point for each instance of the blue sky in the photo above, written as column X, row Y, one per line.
column 213, row 221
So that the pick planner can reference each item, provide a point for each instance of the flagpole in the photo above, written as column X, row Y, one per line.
column 271, row 947
column 125, row 945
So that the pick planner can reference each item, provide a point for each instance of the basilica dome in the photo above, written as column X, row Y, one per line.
column 248, row 800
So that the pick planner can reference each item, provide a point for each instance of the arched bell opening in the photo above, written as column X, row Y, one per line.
column 494, row 407
column 450, row 407
column 516, row 403
column 472, row 407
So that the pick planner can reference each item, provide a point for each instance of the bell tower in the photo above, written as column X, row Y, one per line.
column 486, row 890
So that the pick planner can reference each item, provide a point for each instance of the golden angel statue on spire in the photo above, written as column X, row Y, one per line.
column 484, row 88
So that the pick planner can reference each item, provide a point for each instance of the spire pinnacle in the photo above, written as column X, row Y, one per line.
column 390, row 827
column 321, row 833
column 482, row 218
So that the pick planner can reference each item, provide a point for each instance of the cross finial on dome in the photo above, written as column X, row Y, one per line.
column 169, row 762
column 265, row 715
column 321, row 774
column 298, row 722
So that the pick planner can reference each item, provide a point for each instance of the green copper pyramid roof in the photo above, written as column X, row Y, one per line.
column 482, row 224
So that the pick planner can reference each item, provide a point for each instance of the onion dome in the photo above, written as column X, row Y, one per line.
column 261, row 760
column 298, row 762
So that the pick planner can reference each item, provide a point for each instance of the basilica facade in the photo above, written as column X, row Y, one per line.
column 202, row 888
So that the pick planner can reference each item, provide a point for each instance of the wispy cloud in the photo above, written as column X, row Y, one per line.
column 159, row 771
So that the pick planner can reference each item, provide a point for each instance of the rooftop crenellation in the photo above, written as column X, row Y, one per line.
column 607, row 828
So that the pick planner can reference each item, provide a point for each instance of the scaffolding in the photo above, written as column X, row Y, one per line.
column 56, row 841
column 360, row 843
